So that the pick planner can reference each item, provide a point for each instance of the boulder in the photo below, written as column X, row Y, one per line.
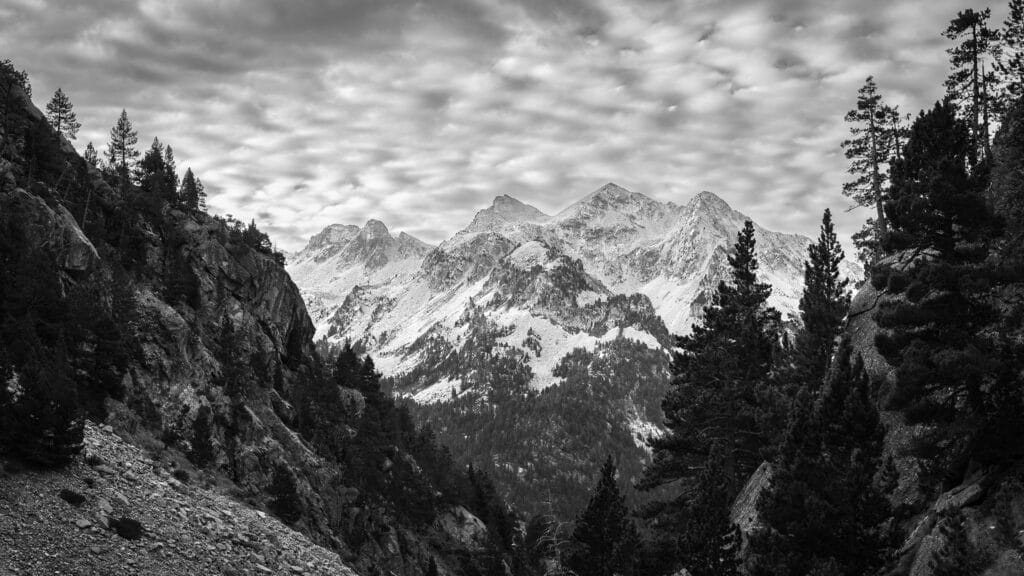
column 71, row 497
column 127, row 528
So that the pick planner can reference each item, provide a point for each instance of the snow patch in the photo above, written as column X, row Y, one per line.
column 438, row 392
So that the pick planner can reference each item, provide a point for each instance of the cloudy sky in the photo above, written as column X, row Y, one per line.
column 301, row 113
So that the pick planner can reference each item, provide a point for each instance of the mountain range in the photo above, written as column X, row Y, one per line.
column 519, row 303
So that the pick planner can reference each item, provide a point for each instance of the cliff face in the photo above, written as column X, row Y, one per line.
column 986, row 506
column 215, row 330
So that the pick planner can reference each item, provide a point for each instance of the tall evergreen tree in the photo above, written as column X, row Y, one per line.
column 15, row 93
column 61, row 115
column 171, row 176
column 90, row 156
column 201, row 194
column 824, row 512
column 202, row 453
column 972, row 83
column 722, row 403
column 934, row 200
column 605, row 540
column 189, row 192
column 719, row 384
column 153, row 179
column 121, row 151
column 285, row 501
column 823, row 305
column 874, row 134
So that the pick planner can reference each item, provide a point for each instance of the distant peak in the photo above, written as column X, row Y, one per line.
column 333, row 235
column 375, row 225
column 374, row 230
column 506, row 201
column 710, row 201
column 507, row 209
column 611, row 189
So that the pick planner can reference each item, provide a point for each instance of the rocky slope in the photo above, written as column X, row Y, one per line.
column 186, row 528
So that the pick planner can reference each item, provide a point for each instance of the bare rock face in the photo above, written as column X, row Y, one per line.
column 981, row 506
column 53, row 228
column 862, row 329
column 464, row 527
column 744, row 509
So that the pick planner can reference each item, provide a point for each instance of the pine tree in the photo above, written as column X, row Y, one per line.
column 723, row 412
column 153, row 179
column 202, row 453
column 874, row 131
column 956, row 368
column 719, row 389
column 972, row 83
column 823, row 305
column 15, row 94
column 171, row 176
column 285, row 502
column 61, row 115
column 1011, row 53
column 708, row 542
column 605, row 540
column 934, row 200
column 121, row 151
column 90, row 156
column 347, row 366
column 188, row 193
column 824, row 512
column 201, row 195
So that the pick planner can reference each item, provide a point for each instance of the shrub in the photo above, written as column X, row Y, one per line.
column 285, row 502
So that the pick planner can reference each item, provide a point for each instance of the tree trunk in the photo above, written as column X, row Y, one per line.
column 881, row 229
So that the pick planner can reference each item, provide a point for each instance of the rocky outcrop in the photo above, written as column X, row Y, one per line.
column 464, row 527
column 744, row 509
column 986, row 508
column 50, row 228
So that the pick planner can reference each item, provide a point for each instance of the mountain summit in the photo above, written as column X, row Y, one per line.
column 506, row 211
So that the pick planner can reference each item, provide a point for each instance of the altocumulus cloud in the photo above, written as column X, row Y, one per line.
column 304, row 113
